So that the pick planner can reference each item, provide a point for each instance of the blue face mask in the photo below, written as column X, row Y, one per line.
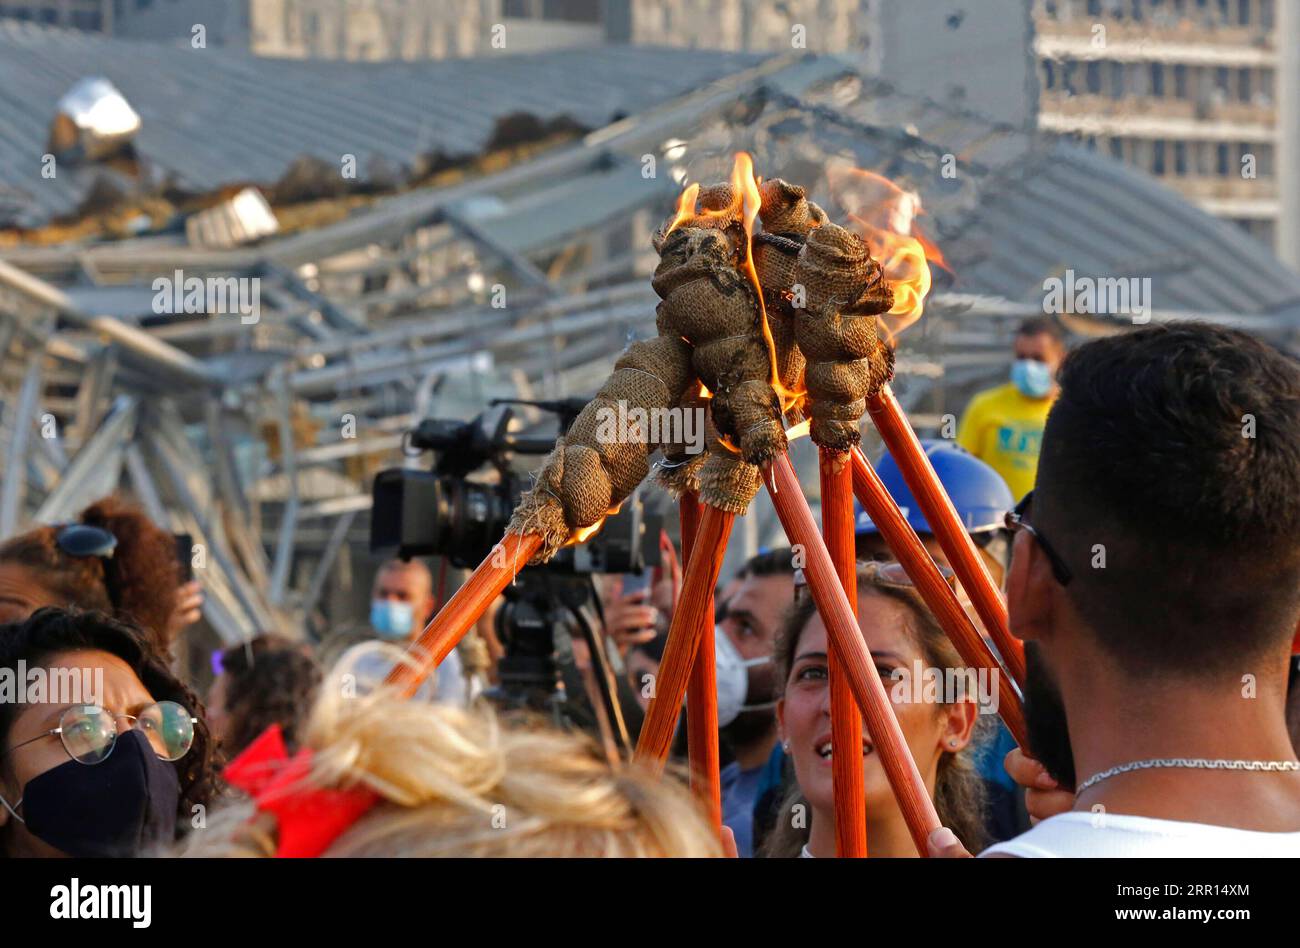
column 1033, row 378
column 391, row 619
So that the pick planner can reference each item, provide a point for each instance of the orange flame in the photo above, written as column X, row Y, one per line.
column 932, row 252
column 744, row 183
column 583, row 534
column 743, row 207
column 884, row 214
column 685, row 207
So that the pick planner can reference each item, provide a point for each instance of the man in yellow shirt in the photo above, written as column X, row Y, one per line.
column 1003, row 426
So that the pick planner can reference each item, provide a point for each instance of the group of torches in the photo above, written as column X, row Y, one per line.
column 776, row 330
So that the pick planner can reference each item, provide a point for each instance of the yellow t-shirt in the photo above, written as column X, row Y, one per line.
column 1004, row 428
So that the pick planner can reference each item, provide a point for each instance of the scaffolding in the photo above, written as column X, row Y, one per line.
column 259, row 431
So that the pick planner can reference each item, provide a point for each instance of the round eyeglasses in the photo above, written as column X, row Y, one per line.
column 89, row 732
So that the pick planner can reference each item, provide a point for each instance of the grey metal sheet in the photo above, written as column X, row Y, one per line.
column 218, row 116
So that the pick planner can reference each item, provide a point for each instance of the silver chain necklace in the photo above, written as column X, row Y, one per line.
column 1194, row 763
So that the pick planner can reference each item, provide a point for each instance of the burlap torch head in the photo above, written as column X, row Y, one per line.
column 811, row 337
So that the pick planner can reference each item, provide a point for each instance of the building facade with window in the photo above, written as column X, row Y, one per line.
column 1198, row 93
column 223, row 21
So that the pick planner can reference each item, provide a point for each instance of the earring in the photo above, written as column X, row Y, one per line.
column 953, row 743
column 785, row 746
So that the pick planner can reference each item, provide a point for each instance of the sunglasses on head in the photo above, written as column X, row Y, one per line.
column 886, row 572
column 79, row 539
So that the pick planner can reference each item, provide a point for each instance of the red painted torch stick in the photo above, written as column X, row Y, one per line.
column 702, row 688
column 845, row 638
column 948, row 529
column 462, row 610
column 846, row 719
column 694, row 609
column 934, row 589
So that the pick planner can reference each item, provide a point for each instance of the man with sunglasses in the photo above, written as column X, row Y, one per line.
column 1155, row 579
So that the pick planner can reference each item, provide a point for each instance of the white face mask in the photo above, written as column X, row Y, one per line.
column 733, row 678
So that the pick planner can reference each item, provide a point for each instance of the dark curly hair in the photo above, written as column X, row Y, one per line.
column 138, row 584
column 51, row 631
column 271, row 680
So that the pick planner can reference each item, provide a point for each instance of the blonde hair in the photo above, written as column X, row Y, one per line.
column 468, row 783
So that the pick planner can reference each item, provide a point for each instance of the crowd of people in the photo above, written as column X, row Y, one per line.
column 1138, row 500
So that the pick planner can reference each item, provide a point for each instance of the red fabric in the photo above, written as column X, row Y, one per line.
column 309, row 819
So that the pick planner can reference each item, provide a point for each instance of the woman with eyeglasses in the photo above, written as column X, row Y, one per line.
column 114, row 559
column 903, row 638
column 109, row 755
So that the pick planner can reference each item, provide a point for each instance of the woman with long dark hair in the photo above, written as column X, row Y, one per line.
column 112, row 559
column 903, row 638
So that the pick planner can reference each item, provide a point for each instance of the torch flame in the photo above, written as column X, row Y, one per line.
column 884, row 214
column 583, row 534
column 744, row 183
column 743, row 208
column 685, row 207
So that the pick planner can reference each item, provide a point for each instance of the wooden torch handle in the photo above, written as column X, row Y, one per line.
column 948, row 529
column 702, row 688
column 693, row 609
column 934, row 589
column 846, row 719
column 462, row 610
column 845, row 638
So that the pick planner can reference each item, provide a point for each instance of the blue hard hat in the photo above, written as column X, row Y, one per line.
column 979, row 493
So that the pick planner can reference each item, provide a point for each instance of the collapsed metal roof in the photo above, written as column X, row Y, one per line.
column 212, row 117
column 232, row 431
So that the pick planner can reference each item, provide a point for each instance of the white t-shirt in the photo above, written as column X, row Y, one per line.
column 372, row 662
column 1078, row 834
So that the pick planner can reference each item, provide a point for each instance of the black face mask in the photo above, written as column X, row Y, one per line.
column 119, row 807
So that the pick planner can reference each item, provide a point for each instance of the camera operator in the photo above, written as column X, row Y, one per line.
column 543, row 649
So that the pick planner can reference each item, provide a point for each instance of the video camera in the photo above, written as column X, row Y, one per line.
column 443, row 513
